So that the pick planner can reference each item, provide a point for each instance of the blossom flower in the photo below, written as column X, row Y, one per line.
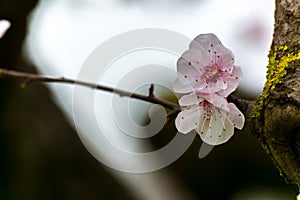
column 207, row 67
column 211, row 115
column 4, row 25
column 207, row 75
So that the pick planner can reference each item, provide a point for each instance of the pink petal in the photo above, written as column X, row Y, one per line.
column 233, row 81
column 190, row 99
column 4, row 25
column 225, row 58
column 182, row 86
column 188, row 119
column 216, row 85
column 189, row 67
column 231, row 87
column 235, row 116
column 221, row 84
column 196, row 58
column 216, row 100
column 206, row 41
column 212, row 86
column 219, row 54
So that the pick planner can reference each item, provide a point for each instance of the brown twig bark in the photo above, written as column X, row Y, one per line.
column 243, row 105
column 30, row 77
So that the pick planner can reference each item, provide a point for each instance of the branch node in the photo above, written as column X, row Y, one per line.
column 151, row 91
column 25, row 83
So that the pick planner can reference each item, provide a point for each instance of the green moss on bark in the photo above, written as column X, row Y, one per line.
column 277, row 69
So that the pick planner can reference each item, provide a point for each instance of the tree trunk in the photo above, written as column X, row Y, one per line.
column 277, row 111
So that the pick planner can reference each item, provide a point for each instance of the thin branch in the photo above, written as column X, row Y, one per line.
column 30, row 77
column 172, row 115
column 245, row 106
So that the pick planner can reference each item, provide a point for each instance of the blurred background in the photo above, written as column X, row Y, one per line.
column 42, row 156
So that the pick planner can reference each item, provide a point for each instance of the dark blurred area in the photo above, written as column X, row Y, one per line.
column 42, row 156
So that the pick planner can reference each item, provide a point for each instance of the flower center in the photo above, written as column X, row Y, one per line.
column 210, row 72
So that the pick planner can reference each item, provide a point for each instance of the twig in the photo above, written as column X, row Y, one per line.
column 151, row 91
column 30, row 77
column 172, row 115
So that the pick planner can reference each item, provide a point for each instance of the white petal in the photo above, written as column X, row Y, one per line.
column 4, row 25
column 188, row 73
column 226, row 133
column 203, row 126
column 188, row 119
column 190, row 99
column 212, row 134
column 235, row 116
column 221, row 83
column 214, row 86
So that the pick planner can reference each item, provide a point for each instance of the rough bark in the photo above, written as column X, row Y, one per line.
column 277, row 111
